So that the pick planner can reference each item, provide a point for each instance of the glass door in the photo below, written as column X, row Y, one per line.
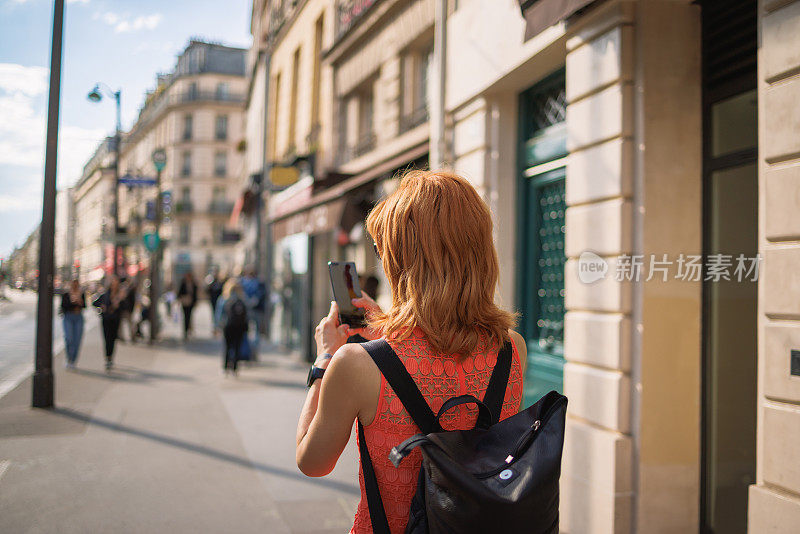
column 541, row 208
column 730, row 231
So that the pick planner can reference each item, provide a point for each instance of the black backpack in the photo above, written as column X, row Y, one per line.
column 237, row 316
column 498, row 477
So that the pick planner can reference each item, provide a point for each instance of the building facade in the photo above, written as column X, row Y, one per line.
column 640, row 158
column 64, row 235
column 92, row 196
column 605, row 132
column 195, row 113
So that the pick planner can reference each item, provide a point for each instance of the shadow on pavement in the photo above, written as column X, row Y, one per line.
column 274, row 383
column 200, row 449
column 132, row 374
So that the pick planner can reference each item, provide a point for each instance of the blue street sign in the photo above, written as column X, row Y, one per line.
column 137, row 181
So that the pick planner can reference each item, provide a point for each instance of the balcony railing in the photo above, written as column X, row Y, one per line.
column 349, row 12
column 220, row 208
column 206, row 96
column 414, row 119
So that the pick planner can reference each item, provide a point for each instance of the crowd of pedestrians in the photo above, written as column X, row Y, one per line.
column 238, row 305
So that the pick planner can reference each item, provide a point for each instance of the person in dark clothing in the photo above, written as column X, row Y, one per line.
column 110, row 305
column 234, row 321
column 187, row 295
column 214, row 290
column 126, row 310
column 73, row 302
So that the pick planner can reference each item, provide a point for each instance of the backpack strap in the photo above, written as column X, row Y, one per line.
column 377, row 513
column 496, row 390
column 392, row 368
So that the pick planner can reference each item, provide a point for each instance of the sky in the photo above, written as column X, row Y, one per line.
column 120, row 43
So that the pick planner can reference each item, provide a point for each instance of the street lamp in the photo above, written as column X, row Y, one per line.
column 42, row 396
column 96, row 95
column 159, row 162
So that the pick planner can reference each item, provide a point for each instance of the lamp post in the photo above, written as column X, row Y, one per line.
column 43, row 376
column 96, row 95
column 159, row 161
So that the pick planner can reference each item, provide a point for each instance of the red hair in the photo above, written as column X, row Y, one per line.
column 434, row 237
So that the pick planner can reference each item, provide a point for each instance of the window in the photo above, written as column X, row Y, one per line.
column 223, row 91
column 218, row 230
column 293, row 99
column 221, row 128
column 186, row 194
column 186, row 168
column 184, row 233
column 220, row 164
column 187, row 127
column 414, row 87
column 193, row 91
column 366, row 133
column 219, row 194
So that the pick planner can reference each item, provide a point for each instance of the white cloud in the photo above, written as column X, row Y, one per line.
column 76, row 1
column 124, row 23
column 23, row 92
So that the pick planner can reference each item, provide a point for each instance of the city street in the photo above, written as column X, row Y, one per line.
column 17, row 335
column 166, row 443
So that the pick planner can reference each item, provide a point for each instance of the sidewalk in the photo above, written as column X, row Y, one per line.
column 165, row 443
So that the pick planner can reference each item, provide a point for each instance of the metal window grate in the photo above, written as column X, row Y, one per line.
column 550, row 285
column 548, row 106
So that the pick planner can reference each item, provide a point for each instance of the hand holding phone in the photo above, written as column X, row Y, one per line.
column 344, row 279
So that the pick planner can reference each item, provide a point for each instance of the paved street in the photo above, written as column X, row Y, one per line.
column 17, row 335
column 165, row 443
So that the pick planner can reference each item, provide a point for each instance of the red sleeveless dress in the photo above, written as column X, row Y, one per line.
column 438, row 377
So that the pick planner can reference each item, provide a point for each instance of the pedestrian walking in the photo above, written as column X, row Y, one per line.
column 187, row 295
column 255, row 295
column 214, row 284
column 444, row 328
column 127, row 311
column 109, row 303
column 73, row 302
column 234, row 327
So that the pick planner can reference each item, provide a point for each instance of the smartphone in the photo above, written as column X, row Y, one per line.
column 344, row 279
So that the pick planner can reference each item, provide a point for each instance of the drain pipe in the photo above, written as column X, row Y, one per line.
column 438, row 141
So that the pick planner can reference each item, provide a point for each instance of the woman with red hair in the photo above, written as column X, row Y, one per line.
column 434, row 238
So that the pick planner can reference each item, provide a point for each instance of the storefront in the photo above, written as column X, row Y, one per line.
column 310, row 228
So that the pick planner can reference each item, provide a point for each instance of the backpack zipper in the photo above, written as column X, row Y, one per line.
column 528, row 436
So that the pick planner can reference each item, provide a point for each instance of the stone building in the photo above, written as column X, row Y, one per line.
column 652, row 142
column 64, row 235
column 195, row 113
column 92, row 195
column 609, row 131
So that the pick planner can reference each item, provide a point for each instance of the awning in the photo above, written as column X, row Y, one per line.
column 541, row 14
column 338, row 191
column 321, row 218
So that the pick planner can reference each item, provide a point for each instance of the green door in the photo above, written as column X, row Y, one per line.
column 540, row 272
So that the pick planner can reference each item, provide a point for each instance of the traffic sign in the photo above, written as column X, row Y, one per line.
column 159, row 159
column 136, row 181
column 151, row 241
